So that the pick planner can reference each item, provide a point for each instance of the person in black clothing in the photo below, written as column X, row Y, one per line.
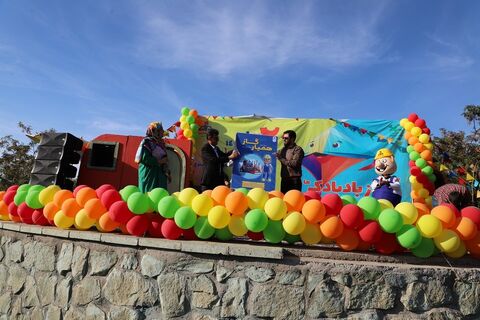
column 213, row 161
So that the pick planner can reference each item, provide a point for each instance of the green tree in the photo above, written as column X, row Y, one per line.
column 457, row 149
column 17, row 157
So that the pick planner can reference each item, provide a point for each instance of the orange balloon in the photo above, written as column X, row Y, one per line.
column 70, row 207
column 60, row 197
column 419, row 147
column 412, row 140
column 313, row 210
column 3, row 208
column 2, row 193
column 445, row 215
column 331, row 227
column 473, row 245
column 207, row 192
column 219, row 194
column 275, row 193
column 407, row 135
column 107, row 224
column 85, row 194
column 14, row 218
column 294, row 200
column 50, row 210
column 94, row 208
column 420, row 200
column 426, row 154
column 236, row 203
column 421, row 209
column 465, row 228
column 348, row 240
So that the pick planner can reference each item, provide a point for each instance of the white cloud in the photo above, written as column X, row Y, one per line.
column 223, row 40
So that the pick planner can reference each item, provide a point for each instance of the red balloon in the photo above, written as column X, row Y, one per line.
column 189, row 234
column 109, row 197
column 104, row 187
column 473, row 213
column 77, row 188
column 9, row 196
column 255, row 235
column 120, row 213
column 333, row 204
column 138, row 225
column 312, row 195
column 415, row 171
column 180, row 132
column 426, row 130
column 155, row 226
column 13, row 188
column 412, row 117
column 454, row 209
column 420, row 123
column 423, row 179
column 170, row 230
column 25, row 213
column 39, row 219
column 370, row 232
column 388, row 243
column 411, row 163
column 13, row 209
column 352, row 216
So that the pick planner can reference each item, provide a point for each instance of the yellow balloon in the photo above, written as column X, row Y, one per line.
column 187, row 133
column 183, row 119
column 429, row 146
column 62, row 221
column 424, row 138
column 429, row 226
column 428, row 201
column 82, row 221
column 218, row 217
column 46, row 195
column 423, row 193
column 237, row 226
column 201, row 204
column 275, row 208
column 184, row 126
column 409, row 125
column 447, row 241
column 412, row 179
column 385, row 204
column 294, row 223
column 408, row 211
column 257, row 197
column 176, row 194
column 311, row 234
column 403, row 122
column 186, row 196
column 460, row 252
column 416, row 131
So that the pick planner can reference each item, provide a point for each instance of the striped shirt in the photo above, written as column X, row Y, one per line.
column 442, row 193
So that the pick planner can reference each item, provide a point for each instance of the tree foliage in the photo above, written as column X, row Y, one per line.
column 460, row 151
column 17, row 157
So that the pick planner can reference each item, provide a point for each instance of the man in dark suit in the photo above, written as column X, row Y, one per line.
column 213, row 161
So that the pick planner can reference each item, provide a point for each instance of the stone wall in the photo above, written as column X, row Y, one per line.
column 45, row 277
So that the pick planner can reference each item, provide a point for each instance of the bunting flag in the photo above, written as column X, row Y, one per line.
column 469, row 177
column 371, row 134
column 443, row 168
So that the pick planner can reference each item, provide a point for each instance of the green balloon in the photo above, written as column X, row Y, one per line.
column 190, row 119
column 36, row 187
column 185, row 111
column 203, row 229
column 242, row 190
column 194, row 128
column 414, row 155
column 223, row 234
column 348, row 199
column 427, row 170
column 20, row 197
column 410, row 149
column 127, row 191
column 168, row 206
column 421, row 163
column 32, row 199
column 156, row 195
column 291, row 239
column 23, row 187
column 409, row 237
column 425, row 249
column 370, row 207
column 432, row 178
column 274, row 232
column 138, row 203
column 256, row 220
column 185, row 218
column 390, row 220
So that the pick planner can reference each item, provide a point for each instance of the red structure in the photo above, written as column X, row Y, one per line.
column 110, row 159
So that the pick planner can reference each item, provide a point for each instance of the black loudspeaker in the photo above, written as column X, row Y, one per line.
column 53, row 163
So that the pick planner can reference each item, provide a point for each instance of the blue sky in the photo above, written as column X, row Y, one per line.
column 94, row 67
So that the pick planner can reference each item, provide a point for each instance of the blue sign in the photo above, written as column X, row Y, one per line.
column 256, row 165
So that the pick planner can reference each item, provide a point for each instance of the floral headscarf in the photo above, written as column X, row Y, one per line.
column 155, row 131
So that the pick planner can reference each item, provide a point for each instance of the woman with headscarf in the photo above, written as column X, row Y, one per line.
column 152, row 159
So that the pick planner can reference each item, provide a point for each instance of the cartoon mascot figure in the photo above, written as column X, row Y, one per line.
column 386, row 185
